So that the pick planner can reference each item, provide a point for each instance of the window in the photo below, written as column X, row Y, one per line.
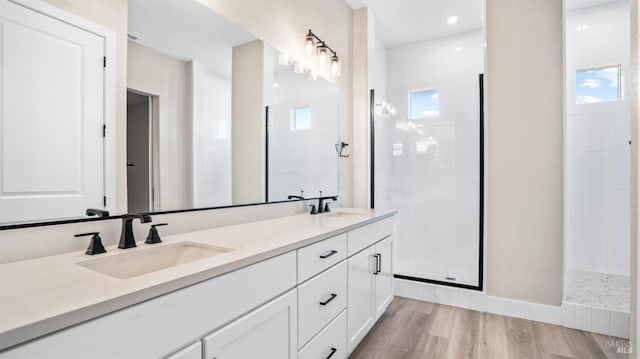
column 598, row 85
column 301, row 118
column 424, row 104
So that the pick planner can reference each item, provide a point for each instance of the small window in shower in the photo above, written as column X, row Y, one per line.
column 424, row 104
column 301, row 118
column 599, row 84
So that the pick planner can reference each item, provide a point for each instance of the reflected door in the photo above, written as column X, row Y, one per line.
column 51, row 121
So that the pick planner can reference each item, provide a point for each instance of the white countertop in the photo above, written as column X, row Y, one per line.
column 43, row 295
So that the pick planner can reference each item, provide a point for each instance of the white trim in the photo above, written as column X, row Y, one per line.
column 525, row 310
column 109, row 86
column 597, row 320
column 457, row 297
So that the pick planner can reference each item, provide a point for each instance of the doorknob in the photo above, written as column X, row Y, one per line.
column 129, row 164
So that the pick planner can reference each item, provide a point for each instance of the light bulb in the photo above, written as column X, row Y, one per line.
column 322, row 55
column 335, row 66
column 299, row 68
column 284, row 59
column 309, row 46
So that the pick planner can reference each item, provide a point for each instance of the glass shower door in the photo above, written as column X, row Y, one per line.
column 428, row 166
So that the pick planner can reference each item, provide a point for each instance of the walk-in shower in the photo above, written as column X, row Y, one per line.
column 597, row 163
column 427, row 124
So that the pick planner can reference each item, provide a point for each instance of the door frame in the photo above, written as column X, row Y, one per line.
column 154, row 149
column 109, row 94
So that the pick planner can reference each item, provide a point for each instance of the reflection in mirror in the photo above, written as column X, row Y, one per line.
column 181, row 58
column 302, row 134
column 185, row 139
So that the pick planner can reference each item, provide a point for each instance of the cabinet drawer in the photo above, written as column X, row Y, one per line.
column 331, row 342
column 319, row 256
column 363, row 237
column 320, row 300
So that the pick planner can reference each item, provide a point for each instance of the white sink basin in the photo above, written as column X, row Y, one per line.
column 138, row 262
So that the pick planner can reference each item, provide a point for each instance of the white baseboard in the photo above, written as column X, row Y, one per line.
column 608, row 322
column 597, row 320
column 525, row 310
column 463, row 298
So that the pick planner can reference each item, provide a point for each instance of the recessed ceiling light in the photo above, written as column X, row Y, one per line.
column 452, row 20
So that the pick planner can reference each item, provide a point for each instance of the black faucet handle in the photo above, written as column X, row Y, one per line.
column 326, row 207
column 154, row 237
column 95, row 246
column 314, row 210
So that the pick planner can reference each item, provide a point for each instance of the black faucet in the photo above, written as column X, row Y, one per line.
column 321, row 208
column 96, row 212
column 126, row 238
column 294, row 197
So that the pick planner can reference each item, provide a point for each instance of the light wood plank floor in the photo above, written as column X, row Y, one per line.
column 420, row 330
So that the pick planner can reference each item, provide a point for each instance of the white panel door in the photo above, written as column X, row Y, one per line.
column 361, row 286
column 384, row 276
column 51, row 117
column 269, row 332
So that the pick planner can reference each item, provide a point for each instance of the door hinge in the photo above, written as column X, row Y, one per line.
column 104, row 62
column 104, row 200
column 104, row 130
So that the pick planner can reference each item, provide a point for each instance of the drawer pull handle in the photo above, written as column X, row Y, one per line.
column 325, row 256
column 333, row 296
column 379, row 262
column 378, row 265
column 333, row 351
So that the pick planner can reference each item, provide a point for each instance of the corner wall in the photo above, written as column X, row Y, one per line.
column 524, row 150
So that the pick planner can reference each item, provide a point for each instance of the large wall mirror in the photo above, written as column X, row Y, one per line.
column 187, row 142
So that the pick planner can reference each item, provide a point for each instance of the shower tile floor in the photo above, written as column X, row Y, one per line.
column 599, row 290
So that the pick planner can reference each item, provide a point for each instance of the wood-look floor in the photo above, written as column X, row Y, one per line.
column 415, row 329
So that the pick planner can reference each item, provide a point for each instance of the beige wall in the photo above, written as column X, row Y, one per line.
column 112, row 14
column 283, row 24
column 248, row 132
column 168, row 78
column 524, row 151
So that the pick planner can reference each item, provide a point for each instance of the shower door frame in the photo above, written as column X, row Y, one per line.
column 479, row 287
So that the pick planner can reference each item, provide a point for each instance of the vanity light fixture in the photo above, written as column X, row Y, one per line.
column 299, row 68
column 314, row 45
column 452, row 20
column 284, row 59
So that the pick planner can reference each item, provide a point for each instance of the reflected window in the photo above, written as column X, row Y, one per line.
column 424, row 103
column 598, row 85
column 301, row 118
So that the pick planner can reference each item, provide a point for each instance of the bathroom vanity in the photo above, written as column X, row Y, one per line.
column 301, row 286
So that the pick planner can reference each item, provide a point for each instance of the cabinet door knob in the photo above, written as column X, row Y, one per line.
column 325, row 256
column 333, row 296
column 333, row 351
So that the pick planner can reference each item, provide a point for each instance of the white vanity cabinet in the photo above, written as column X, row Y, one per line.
column 316, row 301
column 163, row 326
column 193, row 351
column 370, row 279
column 267, row 332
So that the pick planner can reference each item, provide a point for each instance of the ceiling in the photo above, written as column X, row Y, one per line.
column 187, row 30
column 402, row 22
